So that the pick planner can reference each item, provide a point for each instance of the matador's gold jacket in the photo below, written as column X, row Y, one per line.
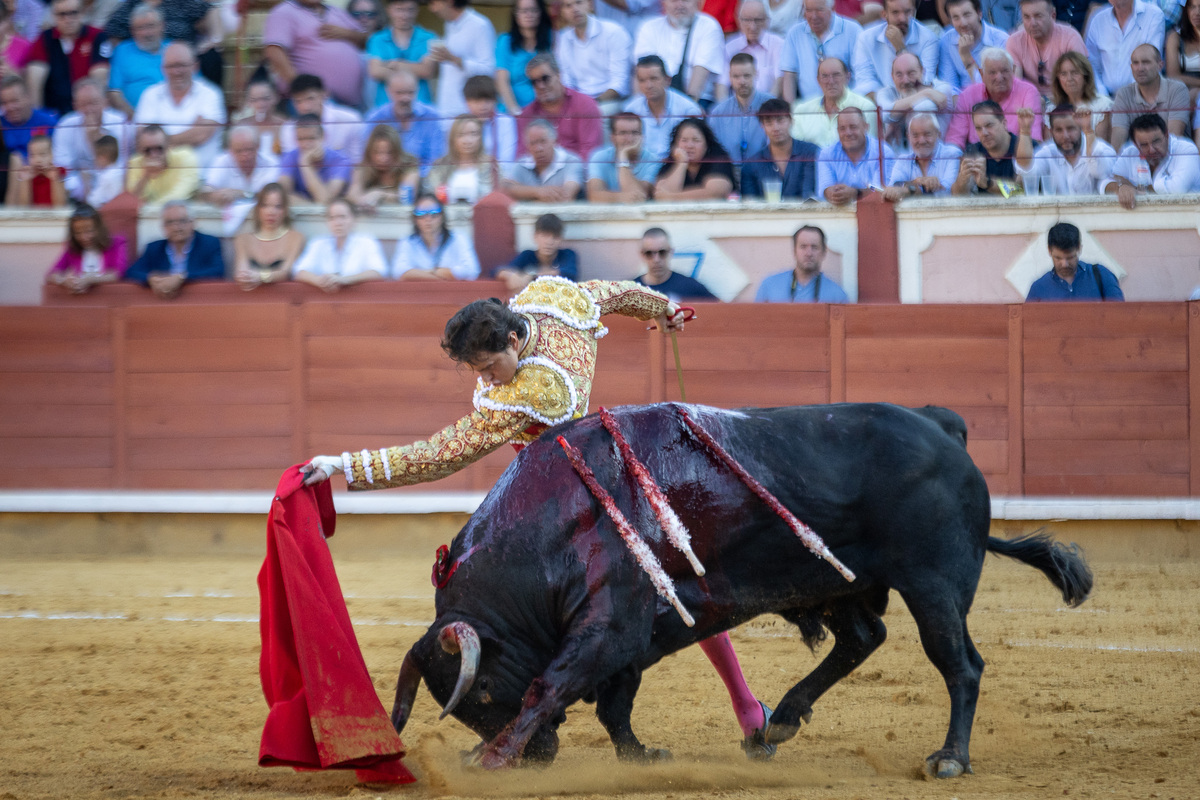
column 552, row 384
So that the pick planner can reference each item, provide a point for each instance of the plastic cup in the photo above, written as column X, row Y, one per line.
column 772, row 191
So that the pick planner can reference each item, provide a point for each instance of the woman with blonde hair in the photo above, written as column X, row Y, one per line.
column 385, row 169
column 466, row 173
column 1074, row 82
column 266, row 253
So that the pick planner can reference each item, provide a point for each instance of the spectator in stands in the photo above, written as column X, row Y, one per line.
column 594, row 54
column 499, row 129
column 1038, row 44
column 660, row 107
column 344, row 257
column 20, row 121
column 27, row 17
column 76, row 135
column 690, row 44
column 932, row 166
column 988, row 165
column 403, row 46
column 14, row 48
column 1072, row 279
column 1183, row 49
column 1074, row 84
column 308, row 37
column 961, row 44
column 850, row 167
column 530, row 32
column 343, row 126
column 548, row 257
column 790, row 161
column 816, row 120
column 384, row 171
column 433, row 252
column 63, row 54
column 734, row 120
column 656, row 255
column 190, row 109
column 1154, row 162
column 240, row 173
column 185, row 255
column 106, row 179
column 159, row 173
column 697, row 167
column 804, row 283
column 574, row 115
column 1075, row 162
column 466, row 173
column 908, row 96
column 267, row 252
column 755, row 40
column 260, row 113
column 136, row 63
column 549, row 173
column 1002, row 88
column 1150, row 93
column 194, row 22
column 416, row 122
column 313, row 172
column 821, row 34
column 880, row 43
column 468, row 47
column 1113, row 33
column 629, row 14
column 92, row 255
column 38, row 183
column 622, row 172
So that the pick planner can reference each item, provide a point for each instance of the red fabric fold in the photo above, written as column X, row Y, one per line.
column 324, row 712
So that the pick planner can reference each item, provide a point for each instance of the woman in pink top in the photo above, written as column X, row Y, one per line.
column 92, row 255
column 14, row 51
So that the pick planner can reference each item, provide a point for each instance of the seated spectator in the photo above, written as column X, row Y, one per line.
column 549, row 174
column 1000, row 87
column 14, row 48
column 267, row 252
column 417, row 123
column 1183, row 49
column 1074, row 84
column 466, row 173
column 962, row 43
column 38, row 183
column 136, row 63
column 20, row 121
column 106, row 179
column 1150, row 93
column 1112, row 34
column 756, row 41
column 92, row 255
column 467, row 48
column 76, row 135
column 629, row 14
column 158, row 173
column 821, row 34
column 190, row 109
column 734, row 120
column 1038, row 44
column 499, row 129
column 690, row 44
column 660, row 107
column 880, row 43
column 63, row 54
column 908, row 96
column 815, row 120
column 403, row 46
column 850, row 167
column 1072, row 279
column 433, row 252
column 27, row 17
column 344, row 257
column 791, row 162
column 307, row 37
column 697, row 167
column 260, row 113
column 384, row 171
column 594, row 53
column 548, row 257
column 1075, row 162
column 574, row 115
column 185, row 255
column 622, row 172
column 656, row 255
column 530, row 32
column 343, row 126
column 1153, row 162
column 313, row 173
column 989, row 165
column 932, row 166
column 804, row 283
column 239, row 173
column 193, row 22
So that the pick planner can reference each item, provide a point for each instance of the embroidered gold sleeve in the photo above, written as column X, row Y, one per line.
column 627, row 298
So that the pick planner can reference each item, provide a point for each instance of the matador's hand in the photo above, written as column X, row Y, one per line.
column 320, row 469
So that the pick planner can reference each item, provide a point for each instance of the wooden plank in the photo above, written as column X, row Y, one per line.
column 349, row 417
column 613, row 386
column 1015, row 417
column 75, row 478
column 1099, row 320
column 263, row 479
column 56, row 355
column 388, row 384
column 801, row 321
column 944, row 389
column 55, row 419
column 656, row 358
column 991, row 456
column 120, row 342
column 1112, row 457
column 209, row 355
column 34, row 323
column 758, row 389
column 736, row 353
column 1106, row 388
column 1150, row 353
column 179, row 420
column 1106, row 422
column 207, row 321
column 200, row 388
column 393, row 352
column 56, row 456
column 66, row 388
column 1194, row 395
column 985, row 422
column 973, row 321
column 926, row 354
column 217, row 453
column 298, row 407
column 837, row 355
column 1108, row 485
column 375, row 319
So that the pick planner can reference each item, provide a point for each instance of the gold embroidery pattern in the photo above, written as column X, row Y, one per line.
column 628, row 299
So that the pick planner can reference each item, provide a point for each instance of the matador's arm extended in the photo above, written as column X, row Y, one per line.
column 627, row 298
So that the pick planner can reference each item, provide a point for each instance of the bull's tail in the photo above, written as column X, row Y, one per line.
column 1062, row 564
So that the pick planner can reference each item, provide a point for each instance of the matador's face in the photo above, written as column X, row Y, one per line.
column 497, row 369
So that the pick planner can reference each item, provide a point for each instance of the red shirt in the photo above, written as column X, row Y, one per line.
column 39, row 189
column 579, row 124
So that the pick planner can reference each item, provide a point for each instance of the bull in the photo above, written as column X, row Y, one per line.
column 544, row 606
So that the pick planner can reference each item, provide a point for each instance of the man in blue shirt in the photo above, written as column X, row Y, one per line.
column 136, row 64
column 1072, row 279
column 733, row 120
column 798, row 179
column 417, row 123
column 851, row 166
column 622, row 172
column 402, row 46
column 821, row 34
column 656, row 254
column 19, row 120
column 660, row 107
column 804, row 283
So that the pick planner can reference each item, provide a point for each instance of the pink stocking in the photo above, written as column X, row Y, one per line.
column 720, row 652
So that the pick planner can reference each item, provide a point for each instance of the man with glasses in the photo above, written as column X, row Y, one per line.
column 65, row 53
column 1038, row 43
column 137, row 63
column 185, row 255
column 575, row 116
column 755, row 40
column 656, row 255
column 190, row 109
column 821, row 34
column 804, row 283
column 159, row 173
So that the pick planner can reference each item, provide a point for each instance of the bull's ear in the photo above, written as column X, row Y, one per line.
column 406, row 691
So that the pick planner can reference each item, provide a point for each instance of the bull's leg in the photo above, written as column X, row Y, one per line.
column 614, row 707
column 857, row 631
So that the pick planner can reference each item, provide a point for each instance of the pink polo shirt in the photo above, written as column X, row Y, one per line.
column 1023, row 95
column 579, row 124
column 337, row 63
column 1025, row 52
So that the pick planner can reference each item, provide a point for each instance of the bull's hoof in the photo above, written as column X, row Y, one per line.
column 485, row 757
column 756, row 746
column 946, row 765
column 652, row 755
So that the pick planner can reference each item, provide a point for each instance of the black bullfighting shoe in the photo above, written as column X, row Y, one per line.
column 755, row 746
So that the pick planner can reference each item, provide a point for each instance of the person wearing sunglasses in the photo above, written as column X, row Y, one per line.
column 432, row 252
column 1037, row 45
column 576, row 118
column 158, row 173
column 656, row 256
column 63, row 54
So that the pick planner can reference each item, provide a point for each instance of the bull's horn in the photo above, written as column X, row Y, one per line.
column 459, row 637
column 406, row 691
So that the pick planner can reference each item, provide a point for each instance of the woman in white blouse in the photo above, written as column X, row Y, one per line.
column 343, row 258
column 433, row 252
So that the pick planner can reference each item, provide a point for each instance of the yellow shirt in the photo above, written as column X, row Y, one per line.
column 179, row 181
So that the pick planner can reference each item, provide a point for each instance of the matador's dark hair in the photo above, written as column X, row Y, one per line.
column 480, row 327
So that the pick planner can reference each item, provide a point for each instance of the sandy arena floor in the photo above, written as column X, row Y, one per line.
column 137, row 678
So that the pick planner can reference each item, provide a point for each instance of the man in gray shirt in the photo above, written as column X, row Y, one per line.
column 1150, row 93
column 548, row 174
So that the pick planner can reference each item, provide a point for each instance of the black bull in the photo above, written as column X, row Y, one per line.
column 549, row 607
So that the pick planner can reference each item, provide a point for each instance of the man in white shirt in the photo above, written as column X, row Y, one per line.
column 239, row 173
column 660, row 107
column 190, row 109
column 816, row 120
column 1154, row 162
column 880, row 43
column 594, row 54
column 344, row 129
column 696, row 71
column 821, row 34
column 76, row 134
column 1076, row 162
column 908, row 96
column 1112, row 35
column 753, row 17
column 961, row 44
column 468, row 48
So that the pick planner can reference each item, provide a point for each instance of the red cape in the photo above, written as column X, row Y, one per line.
column 324, row 712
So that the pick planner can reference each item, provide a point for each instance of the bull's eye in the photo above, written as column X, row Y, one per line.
column 483, row 684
